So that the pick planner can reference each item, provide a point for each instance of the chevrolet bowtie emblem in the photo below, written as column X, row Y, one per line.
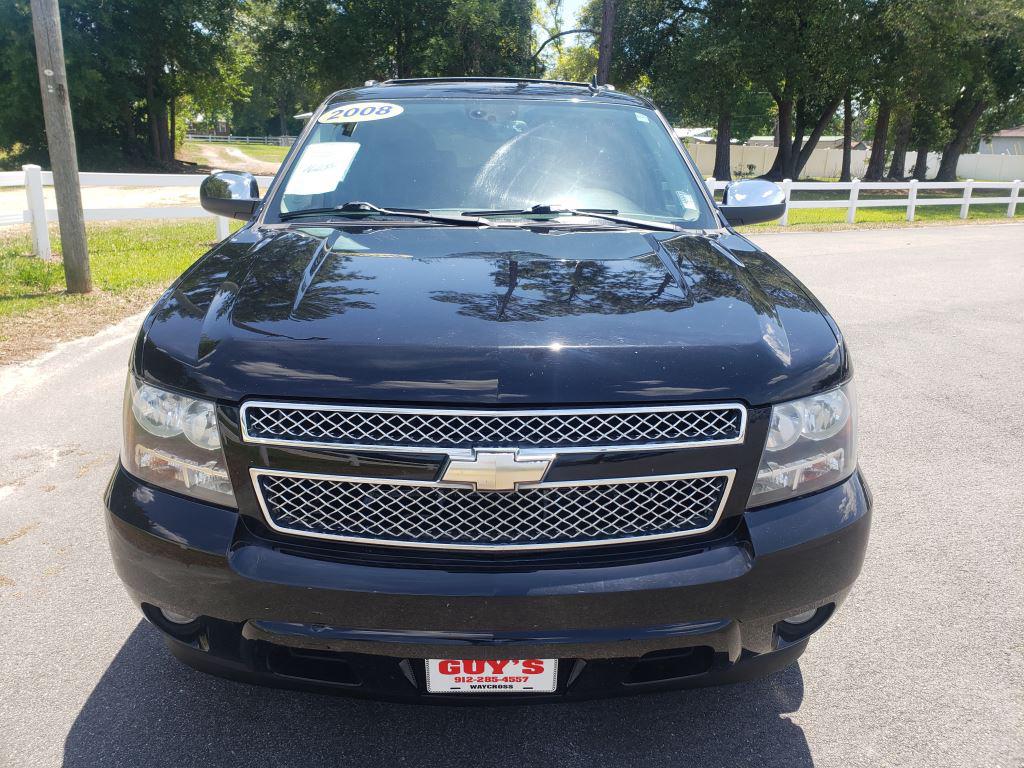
column 496, row 470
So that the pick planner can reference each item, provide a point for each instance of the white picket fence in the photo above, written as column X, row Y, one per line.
column 32, row 178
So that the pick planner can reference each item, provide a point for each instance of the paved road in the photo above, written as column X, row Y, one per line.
column 923, row 666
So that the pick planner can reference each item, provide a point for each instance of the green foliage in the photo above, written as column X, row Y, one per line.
column 950, row 69
column 252, row 63
column 577, row 63
column 126, row 60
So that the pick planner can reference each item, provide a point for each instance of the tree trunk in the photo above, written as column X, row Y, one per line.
column 900, row 145
column 723, row 164
column 126, row 121
column 876, row 163
column 174, row 125
column 783, row 158
column 604, row 48
column 844, row 174
column 798, row 136
column 163, row 134
column 965, row 118
column 812, row 141
column 402, row 65
column 151, row 112
column 921, row 163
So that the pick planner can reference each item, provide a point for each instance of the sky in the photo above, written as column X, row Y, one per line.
column 570, row 10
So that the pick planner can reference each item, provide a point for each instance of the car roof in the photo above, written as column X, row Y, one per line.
column 486, row 87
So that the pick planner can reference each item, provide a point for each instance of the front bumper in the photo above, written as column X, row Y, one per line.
column 703, row 615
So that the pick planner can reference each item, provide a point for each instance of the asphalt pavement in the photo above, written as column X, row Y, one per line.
column 923, row 666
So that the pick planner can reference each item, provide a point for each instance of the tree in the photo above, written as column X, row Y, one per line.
column 282, row 73
column 577, row 63
column 101, row 90
column 605, row 41
column 844, row 173
column 176, row 48
column 986, row 62
column 381, row 39
column 490, row 38
column 128, row 63
column 692, row 59
column 815, row 46
column 706, row 71
column 946, row 71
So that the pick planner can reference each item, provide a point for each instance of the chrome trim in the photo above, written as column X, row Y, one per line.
column 496, row 469
column 256, row 473
column 467, row 453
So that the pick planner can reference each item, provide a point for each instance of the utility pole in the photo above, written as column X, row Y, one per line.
column 604, row 46
column 60, row 141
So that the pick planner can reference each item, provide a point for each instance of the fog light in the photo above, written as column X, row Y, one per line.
column 802, row 618
column 178, row 618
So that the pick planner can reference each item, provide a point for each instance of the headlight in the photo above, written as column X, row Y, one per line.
column 811, row 444
column 173, row 441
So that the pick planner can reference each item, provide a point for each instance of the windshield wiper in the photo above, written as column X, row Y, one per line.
column 606, row 214
column 358, row 207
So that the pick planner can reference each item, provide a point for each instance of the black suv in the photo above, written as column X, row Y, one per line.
column 488, row 401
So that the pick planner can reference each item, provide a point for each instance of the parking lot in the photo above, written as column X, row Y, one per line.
column 924, row 665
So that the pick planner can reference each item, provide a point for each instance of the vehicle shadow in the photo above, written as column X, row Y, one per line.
column 150, row 710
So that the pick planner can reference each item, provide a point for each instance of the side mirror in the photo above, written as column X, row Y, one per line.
column 752, row 201
column 230, row 193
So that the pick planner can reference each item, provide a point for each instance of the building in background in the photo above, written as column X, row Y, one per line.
column 702, row 135
column 825, row 142
column 1006, row 142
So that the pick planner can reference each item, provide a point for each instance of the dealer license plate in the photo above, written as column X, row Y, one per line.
column 492, row 675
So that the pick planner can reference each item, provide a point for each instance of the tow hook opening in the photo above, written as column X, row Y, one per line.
column 314, row 665
column 671, row 664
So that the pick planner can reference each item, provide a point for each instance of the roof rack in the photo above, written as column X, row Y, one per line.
column 414, row 80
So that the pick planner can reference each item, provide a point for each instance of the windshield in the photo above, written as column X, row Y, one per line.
column 481, row 155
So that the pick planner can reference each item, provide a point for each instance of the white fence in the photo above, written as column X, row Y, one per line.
column 32, row 179
column 275, row 141
column 911, row 202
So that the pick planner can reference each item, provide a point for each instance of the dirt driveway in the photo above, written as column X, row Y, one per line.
column 221, row 157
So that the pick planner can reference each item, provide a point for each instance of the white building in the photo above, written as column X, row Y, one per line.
column 703, row 135
column 1007, row 142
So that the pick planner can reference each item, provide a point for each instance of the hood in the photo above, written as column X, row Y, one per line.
column 410, row 314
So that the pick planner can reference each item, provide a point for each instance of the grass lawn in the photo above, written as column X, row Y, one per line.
column 123, row 257
column 265, row 152
column 896, row 216
column 131, row 264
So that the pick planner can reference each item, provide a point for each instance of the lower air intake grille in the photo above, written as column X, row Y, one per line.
column 542, row 516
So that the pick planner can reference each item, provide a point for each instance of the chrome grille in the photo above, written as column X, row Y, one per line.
column 544, row 515
column 438, row 429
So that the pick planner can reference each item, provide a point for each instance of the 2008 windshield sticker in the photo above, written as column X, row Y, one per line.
column 361, row 112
